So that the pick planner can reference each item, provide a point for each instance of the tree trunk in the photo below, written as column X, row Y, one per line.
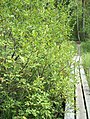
column 83, row 19
column 78, row 30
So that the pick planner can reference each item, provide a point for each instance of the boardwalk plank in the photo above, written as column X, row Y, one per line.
column 81, row 112
column 85, row 89
column 82, row 95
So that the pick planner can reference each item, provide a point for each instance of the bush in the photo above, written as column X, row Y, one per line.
column 35, row 58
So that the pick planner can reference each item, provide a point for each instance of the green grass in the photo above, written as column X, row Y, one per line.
column 85, row 47
column 86, row 64
column 85, row 50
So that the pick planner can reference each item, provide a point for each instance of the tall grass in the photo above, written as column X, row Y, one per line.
column 85, row 46
column 85, row 50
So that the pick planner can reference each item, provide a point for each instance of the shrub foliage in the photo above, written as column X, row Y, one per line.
column 35, row 58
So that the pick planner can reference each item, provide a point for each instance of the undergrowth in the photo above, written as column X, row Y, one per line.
column 85, row 49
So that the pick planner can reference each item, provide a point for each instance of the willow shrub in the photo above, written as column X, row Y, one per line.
column 35, row 58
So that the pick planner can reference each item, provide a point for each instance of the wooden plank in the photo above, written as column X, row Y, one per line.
column 69, row 112
column 82, row 95
column 80, row 107
column 86, row 90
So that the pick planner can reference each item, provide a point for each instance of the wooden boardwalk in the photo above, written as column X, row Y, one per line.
column 86, row 90
column 81, row 109
column 80, row 106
